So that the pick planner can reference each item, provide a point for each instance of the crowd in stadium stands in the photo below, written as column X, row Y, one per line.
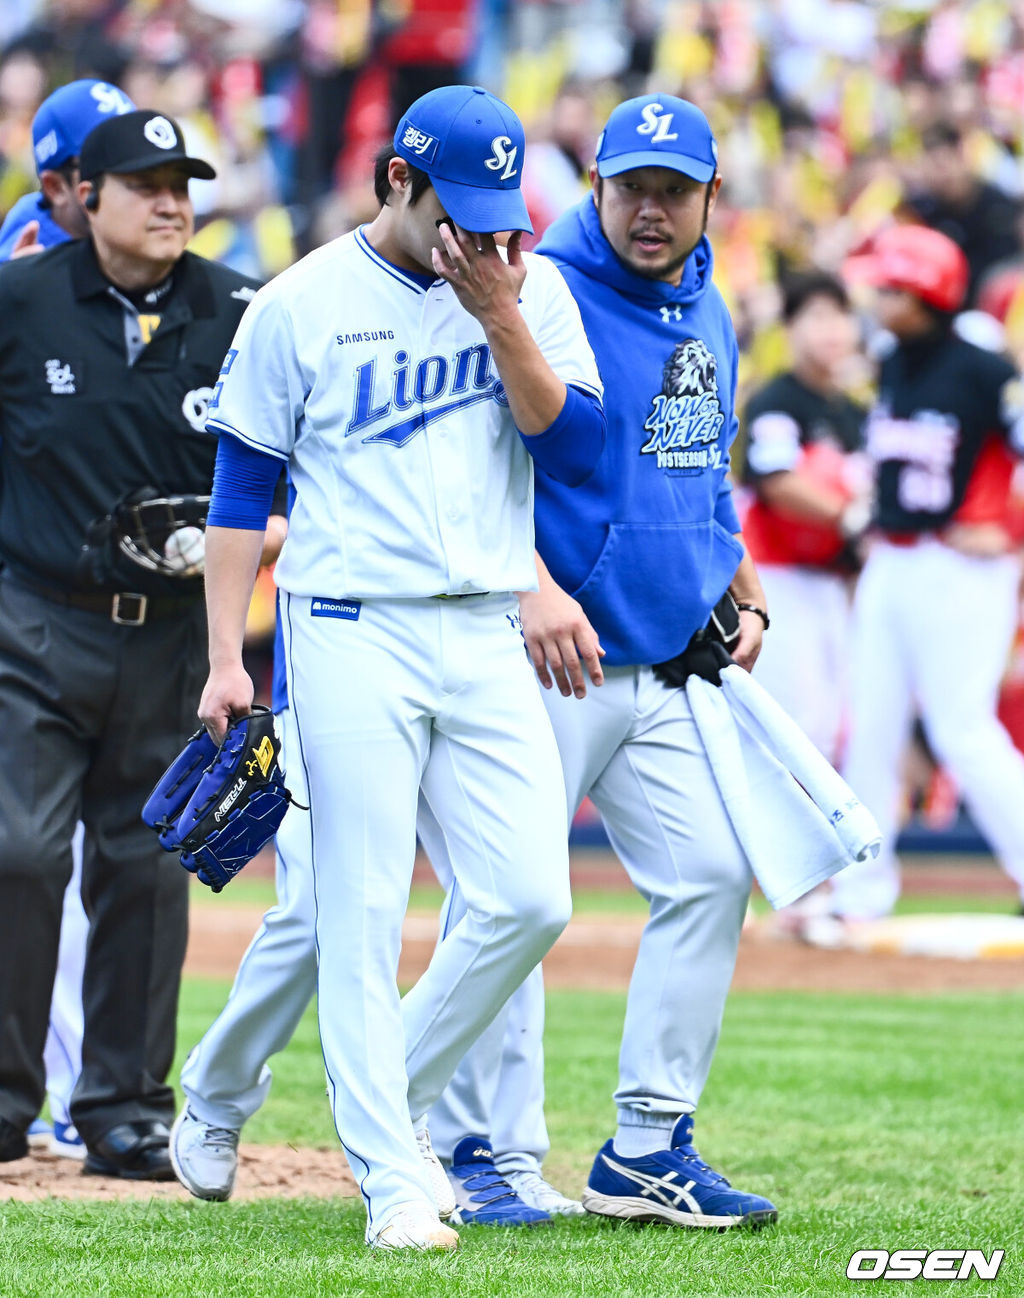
column 835, row 117
column 833, row 114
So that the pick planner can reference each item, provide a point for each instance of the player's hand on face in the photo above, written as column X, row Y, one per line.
column 749, row 644
column 485, row 284
column 560, row 641
column 27, row 242
column 228, row 694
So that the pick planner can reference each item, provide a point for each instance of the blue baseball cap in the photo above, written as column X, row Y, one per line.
column 66, row 117
column 471, row 146
column 658, row 131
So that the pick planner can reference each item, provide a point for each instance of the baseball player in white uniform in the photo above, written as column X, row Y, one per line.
column 406, row 373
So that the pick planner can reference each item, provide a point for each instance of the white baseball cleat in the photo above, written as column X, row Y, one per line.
column 204, row 1157
column 415, row 1226
column 440, row 1187
column 538, row 1193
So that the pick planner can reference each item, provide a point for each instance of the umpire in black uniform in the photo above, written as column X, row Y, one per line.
column 110, row 348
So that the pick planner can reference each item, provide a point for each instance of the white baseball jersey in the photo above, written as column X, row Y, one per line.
column 384, row 399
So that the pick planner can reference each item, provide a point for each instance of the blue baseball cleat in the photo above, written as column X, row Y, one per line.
column 482, row 1196
column 66, row 1142
column 673, row 1185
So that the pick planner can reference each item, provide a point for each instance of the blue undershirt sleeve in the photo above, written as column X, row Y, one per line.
column 243, row 485
column 570, row 448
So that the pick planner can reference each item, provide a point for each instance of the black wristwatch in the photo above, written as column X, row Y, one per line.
column 752, row 608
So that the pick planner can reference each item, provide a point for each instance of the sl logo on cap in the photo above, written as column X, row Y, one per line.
column 502, row 156
column 109, row 99
column 657, row 124
column 160, row 132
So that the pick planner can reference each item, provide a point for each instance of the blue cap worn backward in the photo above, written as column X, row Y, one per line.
column 658, row 131
column 66, row 117
column 471, row 146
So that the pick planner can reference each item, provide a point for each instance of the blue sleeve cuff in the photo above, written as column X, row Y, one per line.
column 725, row 509
column 570, row 448
column 243, row 486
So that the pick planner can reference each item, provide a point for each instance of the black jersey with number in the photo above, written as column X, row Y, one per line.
column 940, row 400
column 786, row 416
column 790, row 427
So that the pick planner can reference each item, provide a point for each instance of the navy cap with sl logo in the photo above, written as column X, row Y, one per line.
column 135, row 142
column 471, row 146
column 658, row 131
column 66, row 117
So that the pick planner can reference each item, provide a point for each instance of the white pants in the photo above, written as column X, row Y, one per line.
column 435, row 694
column 932, row 629
column 804, row 657
column 498, row 1088
column 226, row 1078
column 633, row 747
column 62, row 1055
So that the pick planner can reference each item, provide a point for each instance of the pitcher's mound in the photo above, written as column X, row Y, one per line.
column 264, row 1172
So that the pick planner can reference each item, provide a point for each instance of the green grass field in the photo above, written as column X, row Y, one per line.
column 888, row 1122
column 625, row 902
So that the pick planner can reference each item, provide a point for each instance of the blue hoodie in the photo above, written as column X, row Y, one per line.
column 646, row 544
column 26, row 209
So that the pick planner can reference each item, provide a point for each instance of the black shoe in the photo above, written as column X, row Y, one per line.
column 134, row 1151
column 13, row 1142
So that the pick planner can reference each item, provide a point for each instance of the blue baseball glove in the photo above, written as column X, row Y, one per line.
column 219, row 806
column 176, row 786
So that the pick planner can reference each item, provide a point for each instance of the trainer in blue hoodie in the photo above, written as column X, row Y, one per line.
column 59, row 128
column 639, row 554
column 649, row 544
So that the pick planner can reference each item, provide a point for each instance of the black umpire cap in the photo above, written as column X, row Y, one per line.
column 135, row 142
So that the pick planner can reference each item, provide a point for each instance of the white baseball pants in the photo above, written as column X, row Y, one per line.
column 62, row 1054
column 435, row 694
column 932, row 630
column 632, row 745
column 804, row 657
column 226, row 1077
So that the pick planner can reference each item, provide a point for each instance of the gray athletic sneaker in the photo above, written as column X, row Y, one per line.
column 204, row 1157
column 538, row 1193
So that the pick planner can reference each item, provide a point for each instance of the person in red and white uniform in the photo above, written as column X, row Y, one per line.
column 810, row 486
column 935, row 609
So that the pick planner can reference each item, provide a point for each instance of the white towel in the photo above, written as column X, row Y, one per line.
column 796, row 819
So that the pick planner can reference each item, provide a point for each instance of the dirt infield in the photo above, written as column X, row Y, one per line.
column 265, row 1172
column 598, row 951
column 594, row 952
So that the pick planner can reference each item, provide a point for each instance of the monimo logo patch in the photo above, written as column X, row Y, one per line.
column 343, row 608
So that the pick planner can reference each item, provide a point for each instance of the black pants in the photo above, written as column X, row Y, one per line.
column 90, row 715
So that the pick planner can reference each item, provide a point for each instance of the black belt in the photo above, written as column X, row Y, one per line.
column 126, row 608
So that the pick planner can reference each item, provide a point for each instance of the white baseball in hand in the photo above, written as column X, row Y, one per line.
column 185, row 550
